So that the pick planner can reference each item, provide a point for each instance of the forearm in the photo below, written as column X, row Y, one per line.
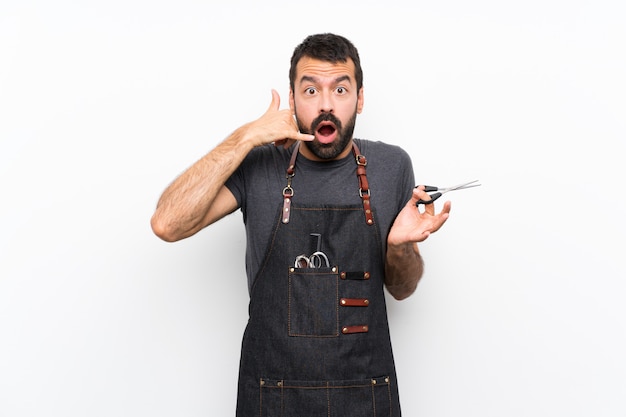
column 185, row 206
column 403, row 269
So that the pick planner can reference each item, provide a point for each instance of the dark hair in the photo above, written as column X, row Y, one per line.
column 330, row 48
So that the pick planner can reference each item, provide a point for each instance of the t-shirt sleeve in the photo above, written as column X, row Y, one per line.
column 253, row 178
column 235, row 183
column 408, row 177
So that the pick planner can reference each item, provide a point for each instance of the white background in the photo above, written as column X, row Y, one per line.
column 102, row 104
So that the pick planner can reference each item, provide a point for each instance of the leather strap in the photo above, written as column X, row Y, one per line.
column 354, row 275
column 288, row 191
column 355, row 329
column 354, row 302
column 364, row 188
column 291, row 170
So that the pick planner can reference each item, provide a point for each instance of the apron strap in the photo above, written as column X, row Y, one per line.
column 288, row 191
column 364, row 191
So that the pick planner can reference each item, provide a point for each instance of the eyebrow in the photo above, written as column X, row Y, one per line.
column 315, row 80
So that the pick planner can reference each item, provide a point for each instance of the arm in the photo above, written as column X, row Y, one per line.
column 404, row 266
column 198, row 197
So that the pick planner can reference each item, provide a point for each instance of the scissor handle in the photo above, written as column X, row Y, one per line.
column 429, row 188
column 302, row 261
column 316, row 260
column 433, row 197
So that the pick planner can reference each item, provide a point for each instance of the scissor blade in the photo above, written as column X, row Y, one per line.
column 460, row 186
column 467, row 186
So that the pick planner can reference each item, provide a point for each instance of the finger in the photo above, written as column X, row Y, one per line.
column 285, row 143
column 420, row 194
column 305, row 137
column 446, row 207
column 441, row 219
column 275, row 104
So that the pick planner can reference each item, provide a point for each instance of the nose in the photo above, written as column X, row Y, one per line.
column 326, row 103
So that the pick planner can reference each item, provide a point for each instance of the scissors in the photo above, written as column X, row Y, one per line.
column 441, row 191
column 312, row 261
column 317, row 259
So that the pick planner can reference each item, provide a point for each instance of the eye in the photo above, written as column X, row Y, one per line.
column 310, row 91
column 341, row 90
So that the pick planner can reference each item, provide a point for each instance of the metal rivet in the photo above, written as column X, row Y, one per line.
column 343, row 275
column 292, row 269
column 280, row 383
column 387, row 379
column 373, row 382
column 262, row 382
column 366, row 275
column 343, row 302
column 366, row 302
column 369, row 222
column 334, row 269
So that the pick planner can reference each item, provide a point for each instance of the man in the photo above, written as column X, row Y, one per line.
column 330, row 221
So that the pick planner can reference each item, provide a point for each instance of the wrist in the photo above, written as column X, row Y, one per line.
column 246, row 137
column 403, row 249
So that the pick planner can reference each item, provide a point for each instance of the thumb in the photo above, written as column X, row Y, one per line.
column 275, row 104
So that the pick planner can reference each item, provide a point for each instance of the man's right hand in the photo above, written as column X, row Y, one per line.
column 277, row 126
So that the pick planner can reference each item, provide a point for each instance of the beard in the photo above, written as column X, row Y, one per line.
column 335, row 148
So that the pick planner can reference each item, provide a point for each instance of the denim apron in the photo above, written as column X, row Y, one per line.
column 317, row 341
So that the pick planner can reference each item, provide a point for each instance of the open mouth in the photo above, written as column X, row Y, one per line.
column 326, row 132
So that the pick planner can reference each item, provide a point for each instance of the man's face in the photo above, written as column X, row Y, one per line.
column 326, row 101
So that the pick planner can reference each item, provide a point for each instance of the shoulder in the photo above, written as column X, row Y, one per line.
column 383, row 153
column 264, row 159
column 262, row 167
column 389, row 168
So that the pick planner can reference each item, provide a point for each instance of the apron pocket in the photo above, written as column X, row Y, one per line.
column 313, row 302
column 370, row 397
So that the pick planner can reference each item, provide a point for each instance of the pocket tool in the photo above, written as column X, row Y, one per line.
column 441, row 191
column 315, row 259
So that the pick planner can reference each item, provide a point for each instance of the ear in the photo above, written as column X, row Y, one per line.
column 359, row 103
column 292, row 103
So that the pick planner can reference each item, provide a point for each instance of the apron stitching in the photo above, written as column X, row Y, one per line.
column 328, row 397
column 389, row 395
column 373, row 400
column 267, row 256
